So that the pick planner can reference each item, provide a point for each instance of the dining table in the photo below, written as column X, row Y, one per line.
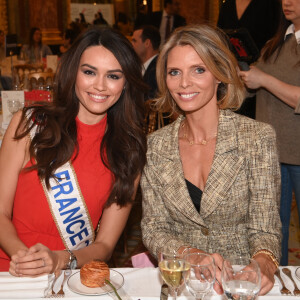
column 131, row 284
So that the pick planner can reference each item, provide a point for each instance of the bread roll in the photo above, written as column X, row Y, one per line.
column 94, row 273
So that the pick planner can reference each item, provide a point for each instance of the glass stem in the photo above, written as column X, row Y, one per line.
column 175, row 294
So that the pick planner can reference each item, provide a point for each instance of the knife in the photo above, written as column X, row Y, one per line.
column 164, row 292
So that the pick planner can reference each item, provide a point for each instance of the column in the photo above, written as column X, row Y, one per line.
column 45, row 15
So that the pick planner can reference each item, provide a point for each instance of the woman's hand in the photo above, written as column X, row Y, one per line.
column 254, row 78
column 36, row 261
column 267, row 270
column 219, row 263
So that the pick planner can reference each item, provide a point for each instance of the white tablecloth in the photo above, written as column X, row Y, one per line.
column 145, row 284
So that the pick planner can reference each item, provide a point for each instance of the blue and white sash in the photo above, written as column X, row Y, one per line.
column 68, row 207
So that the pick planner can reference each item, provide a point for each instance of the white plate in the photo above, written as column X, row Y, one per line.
column 76, row 286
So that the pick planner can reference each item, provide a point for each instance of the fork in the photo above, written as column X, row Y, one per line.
column 52, row 294
column 284, row 290
column 61, row 292
column 287, row 272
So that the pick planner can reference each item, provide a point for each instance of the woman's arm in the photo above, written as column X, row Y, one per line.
column 255, row 78
column 112, row 224
column 264, row 226
column 13, row 157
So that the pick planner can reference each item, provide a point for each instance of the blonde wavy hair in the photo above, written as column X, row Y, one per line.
column 212, row 46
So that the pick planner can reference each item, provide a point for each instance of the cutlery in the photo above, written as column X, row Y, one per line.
column 297, row 273
column 67, row 273
column 52, row 294
column 164, row 292
column 283, row 290
column 287, row 272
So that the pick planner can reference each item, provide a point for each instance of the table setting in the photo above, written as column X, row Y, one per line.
column 130, row 283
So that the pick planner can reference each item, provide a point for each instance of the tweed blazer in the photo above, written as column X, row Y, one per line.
column 239, row 211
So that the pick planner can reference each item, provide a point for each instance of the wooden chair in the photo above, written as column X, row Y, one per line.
column 23, row 70
column 153, row 119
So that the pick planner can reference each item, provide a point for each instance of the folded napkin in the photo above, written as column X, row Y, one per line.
column 142, row 260
column 23, row 287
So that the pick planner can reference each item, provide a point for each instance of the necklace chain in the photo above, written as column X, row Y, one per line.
column 202, row 142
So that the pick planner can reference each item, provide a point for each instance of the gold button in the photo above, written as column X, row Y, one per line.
column 205, row 231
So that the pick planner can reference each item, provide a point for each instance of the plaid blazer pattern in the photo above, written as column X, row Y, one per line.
column 239, row 211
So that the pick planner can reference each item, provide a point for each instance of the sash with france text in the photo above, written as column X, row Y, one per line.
column 68, row 207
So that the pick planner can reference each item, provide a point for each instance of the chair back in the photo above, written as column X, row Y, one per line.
column 21, row 72
column 38, row 79
column 153, row 119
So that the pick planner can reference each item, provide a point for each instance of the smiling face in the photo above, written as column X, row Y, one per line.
column 189, row 81
column 291, row 10
column 99, row 83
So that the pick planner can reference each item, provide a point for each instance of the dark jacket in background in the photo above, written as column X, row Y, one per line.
column 150, row 80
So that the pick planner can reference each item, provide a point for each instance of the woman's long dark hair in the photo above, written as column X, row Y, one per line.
column 276, row 43
column 31, row 34
column 123, row 147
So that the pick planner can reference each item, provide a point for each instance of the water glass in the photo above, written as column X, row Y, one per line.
column 202, row 274
column 241, row 278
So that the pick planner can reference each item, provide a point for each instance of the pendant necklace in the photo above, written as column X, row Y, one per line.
column 202, row 142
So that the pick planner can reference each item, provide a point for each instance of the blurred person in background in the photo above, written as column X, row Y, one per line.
column 35, row 50
column 145, row 42
column 69, row 37
column 260, row 18
column 277, row 68
column 100, row 21
column 123, row 24
column 166, row 20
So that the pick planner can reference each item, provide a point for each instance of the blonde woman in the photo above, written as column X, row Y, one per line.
column 212, row 179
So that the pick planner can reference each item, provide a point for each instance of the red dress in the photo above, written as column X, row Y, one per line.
column 31, row 213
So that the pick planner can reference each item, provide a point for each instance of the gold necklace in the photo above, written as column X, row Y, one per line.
column 202, row 142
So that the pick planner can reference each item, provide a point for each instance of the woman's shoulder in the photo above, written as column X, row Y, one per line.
column 247, row 127
column 165, row 134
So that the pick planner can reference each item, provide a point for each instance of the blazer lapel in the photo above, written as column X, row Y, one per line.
column 225, row 167
column 172, row 175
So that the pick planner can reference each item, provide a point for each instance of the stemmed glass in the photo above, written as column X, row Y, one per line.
column 14, row 106
column 202, row 274
column 241, row 279
column 173, row 269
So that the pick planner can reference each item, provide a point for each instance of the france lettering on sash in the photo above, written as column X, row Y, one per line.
column 68, row 208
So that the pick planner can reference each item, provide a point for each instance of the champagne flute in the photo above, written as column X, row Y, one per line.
column 241, row 278
column 202, row 274
column 173, row 268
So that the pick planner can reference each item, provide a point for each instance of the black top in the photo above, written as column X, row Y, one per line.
column 260, row 18
column 195, row 194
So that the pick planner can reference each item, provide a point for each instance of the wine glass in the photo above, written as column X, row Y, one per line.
column 173, row 269
column 14, row 105
column 241, row 278
column 202, row 274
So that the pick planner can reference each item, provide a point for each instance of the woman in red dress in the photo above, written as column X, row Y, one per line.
column 69, row 171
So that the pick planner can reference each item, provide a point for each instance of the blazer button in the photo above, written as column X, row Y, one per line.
column 205, row 231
